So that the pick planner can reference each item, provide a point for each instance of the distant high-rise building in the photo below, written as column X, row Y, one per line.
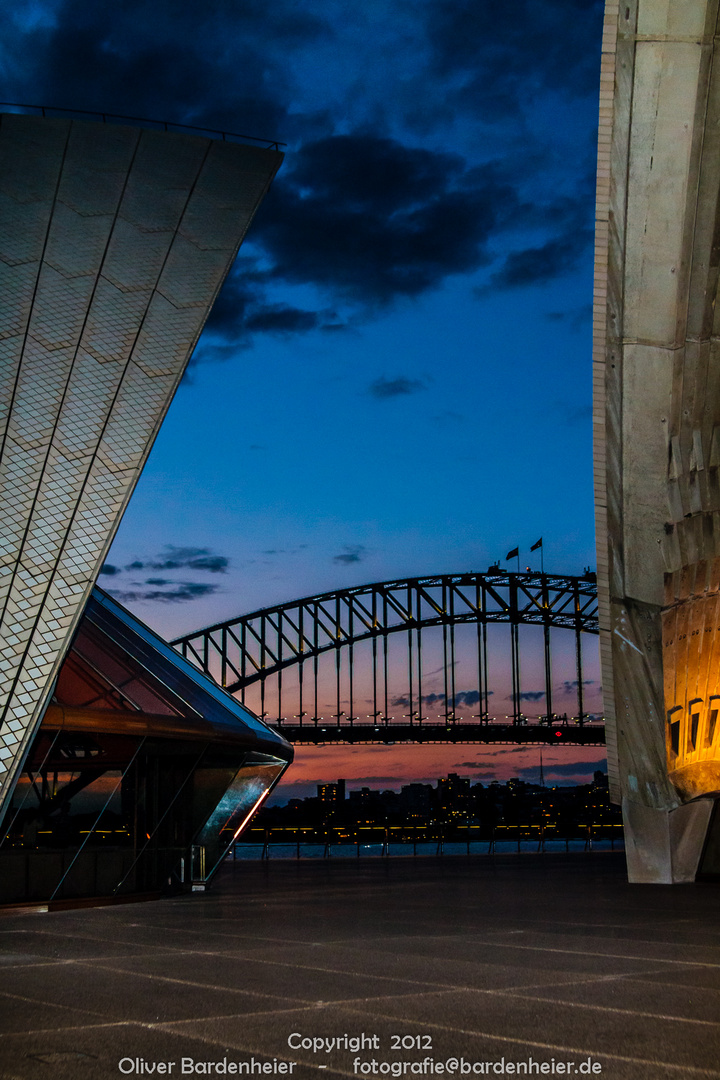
column 334, row 792
column 362, row 795
column 416, row 798
column 453, row 791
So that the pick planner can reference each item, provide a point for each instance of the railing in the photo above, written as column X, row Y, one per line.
column 440, row 839
column 161, row 125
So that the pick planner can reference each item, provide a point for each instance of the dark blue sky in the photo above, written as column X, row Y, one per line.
column 396, row 378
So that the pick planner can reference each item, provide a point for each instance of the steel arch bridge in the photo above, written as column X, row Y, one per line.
column 263, row 648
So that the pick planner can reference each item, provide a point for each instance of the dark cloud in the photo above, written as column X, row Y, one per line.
column 462, row 697
column 582, row 770
column 531, row 695
column 366, row 218
column 368, row 221
column 282, row 319
column 383, row 388
column 570, row 686
column 109, row 569
column 216, row 64
column 214, row 564
column 177, row 558
column 350, row 555
column 505, row 751
column 242, row 311
column 395, row 781
column 238, row 297
column 466, row 697
column 496, row 60
column 439, row 670
column 288, row 551
column 537, row 265
column 363, row 218
column 181, row 592
column 165, row 589
column 226, row 64
column 575, row 318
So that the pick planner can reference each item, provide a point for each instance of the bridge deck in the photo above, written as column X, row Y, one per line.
column 575, row 734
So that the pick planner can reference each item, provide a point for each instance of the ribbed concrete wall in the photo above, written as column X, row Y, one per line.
column 657, row 423
column 113, row 244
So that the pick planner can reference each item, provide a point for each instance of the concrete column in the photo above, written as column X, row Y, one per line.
column 657, row 425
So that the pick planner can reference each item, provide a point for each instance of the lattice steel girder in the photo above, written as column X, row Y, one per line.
column 255, row 646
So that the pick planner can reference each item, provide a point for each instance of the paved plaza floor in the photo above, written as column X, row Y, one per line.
column 446, row 967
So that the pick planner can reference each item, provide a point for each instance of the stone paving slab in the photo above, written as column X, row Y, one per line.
column 537, row 960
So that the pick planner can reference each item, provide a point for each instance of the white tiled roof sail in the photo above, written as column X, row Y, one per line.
column 114, row 242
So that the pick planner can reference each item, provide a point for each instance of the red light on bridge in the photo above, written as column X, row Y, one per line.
column 558, row 734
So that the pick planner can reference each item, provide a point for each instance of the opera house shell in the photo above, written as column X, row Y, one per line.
column 123, row 771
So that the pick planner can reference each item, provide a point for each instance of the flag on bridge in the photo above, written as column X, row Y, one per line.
column 537, row 545
column 514, row 554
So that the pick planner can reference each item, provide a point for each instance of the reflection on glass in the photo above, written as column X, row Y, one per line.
column 138, row 778
column 70, row 791
column 251, row 785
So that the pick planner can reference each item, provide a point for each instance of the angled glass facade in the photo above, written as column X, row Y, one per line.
column 141, row 775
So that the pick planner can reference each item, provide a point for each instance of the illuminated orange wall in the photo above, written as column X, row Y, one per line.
column 691, row 663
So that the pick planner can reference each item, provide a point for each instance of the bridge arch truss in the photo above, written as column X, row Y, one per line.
column 259, row 650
